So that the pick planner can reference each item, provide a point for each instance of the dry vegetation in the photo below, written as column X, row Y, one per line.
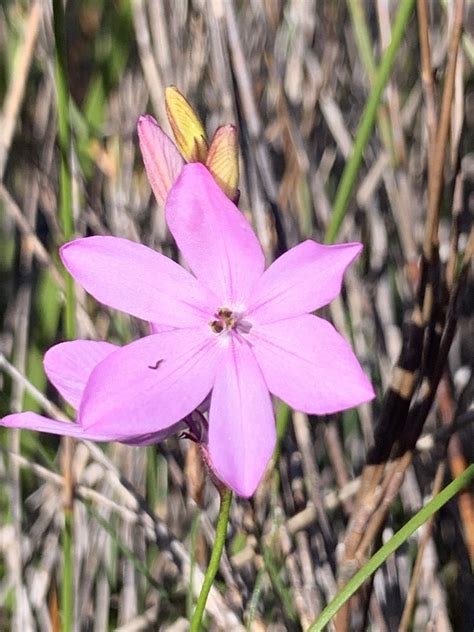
column 294, row 76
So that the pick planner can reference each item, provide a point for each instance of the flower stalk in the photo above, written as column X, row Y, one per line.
column 221, row 530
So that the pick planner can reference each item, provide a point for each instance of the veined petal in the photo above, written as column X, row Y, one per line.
column 68, row 366
column 306, row 363
column 152, row 383
column 137, row 280
column 163, row 162
column 301, row 280
column 215, row 238
column 187, row 128
column 241, row 421
column 223, row 159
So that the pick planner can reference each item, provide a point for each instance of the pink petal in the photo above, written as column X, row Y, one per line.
column 68, row 366
column 241, row 422
column 302, row 280
column 159, row 329
column 215, row 238
column 152, row 383
column 163, row 162
column 156, row 437
column 137, row 280
column 309, row 365
column 33, row 421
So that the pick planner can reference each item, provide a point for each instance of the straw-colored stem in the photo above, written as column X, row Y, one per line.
column 436, row 180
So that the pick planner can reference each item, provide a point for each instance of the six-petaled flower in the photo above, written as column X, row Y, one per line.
column 228, row 328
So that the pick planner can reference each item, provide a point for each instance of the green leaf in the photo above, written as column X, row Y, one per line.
column 392, row 545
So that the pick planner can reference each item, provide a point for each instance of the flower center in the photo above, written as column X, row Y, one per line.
column 227, row 320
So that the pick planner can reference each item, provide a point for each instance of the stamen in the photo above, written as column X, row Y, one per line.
column 227, row 320
column 224, row 312
column 217, row 326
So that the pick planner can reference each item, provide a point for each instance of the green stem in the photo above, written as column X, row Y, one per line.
column 192, row 563
column 255, row 598
column 221, row 530
column 366, row 125
column 67, row 584
column 364, row 45
column 395, row 541
column 67, row 224
column 64, row 130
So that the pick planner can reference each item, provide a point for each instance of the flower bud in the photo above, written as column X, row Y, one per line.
column 187, row 128
column 223, row 159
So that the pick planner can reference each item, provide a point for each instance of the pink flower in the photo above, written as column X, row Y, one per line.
column 231, row 327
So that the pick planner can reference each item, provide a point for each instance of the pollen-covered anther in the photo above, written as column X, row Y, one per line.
column 226, row 320
column 217, row 326
column 224, row 312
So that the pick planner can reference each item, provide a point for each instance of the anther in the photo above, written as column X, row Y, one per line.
column 217, row 326
column 224, row 312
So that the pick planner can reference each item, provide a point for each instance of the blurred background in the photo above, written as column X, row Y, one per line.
column 294, row 77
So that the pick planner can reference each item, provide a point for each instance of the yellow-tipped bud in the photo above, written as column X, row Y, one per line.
column 187, row 128
column 223, row 159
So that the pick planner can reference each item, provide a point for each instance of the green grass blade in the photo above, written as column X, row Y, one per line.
column 395, row 541
column 125, row 550
column 255, row 598
column 368, row 119
column 364, row 46
column 67, row 224
column 281, row 590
